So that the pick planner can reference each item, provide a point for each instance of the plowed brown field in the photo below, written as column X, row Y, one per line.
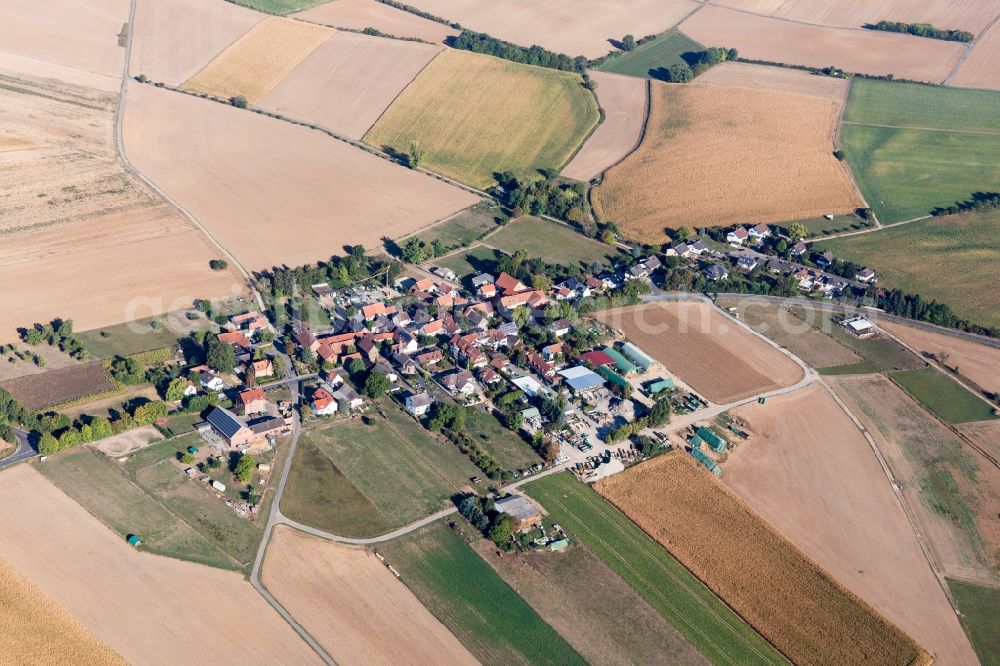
column 173, row 39
column 35, row 630
column 623, row 99
column 62, row 385
column 573, row 27
column 353, row 605
column 809, row 471
column 254, row 64
column 310, row 197
column 150, row 609
column 980, row 363
column 710, row 353
column 784, row 595
column 346, row 83
column 716, row 156
column 854, row 50
column 361, row 14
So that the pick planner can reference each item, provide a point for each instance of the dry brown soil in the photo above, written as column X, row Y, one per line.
column 56, row 386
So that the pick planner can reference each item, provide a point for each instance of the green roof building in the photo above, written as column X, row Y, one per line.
column 622, row 364
column 661, row 385
column 706, row 462
column 715, row 442
column 610, row 375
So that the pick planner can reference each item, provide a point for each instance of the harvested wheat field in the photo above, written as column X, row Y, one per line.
column 953, row 491
column 717, row 156
column 971, row 15
column 125, row 597
column 981, row 69
column 346, row 83
column 353, row 605
column 310, row 197
column 712, row 354
column 76, row 42
column 980, row 363
column 173, row 39
column 985, row 434
column 796, row 605
column 573, row 27
column 35, row 630
column 361, row 14
column 829, row 495
column 473, row 115
column 782, row 79
column 254, row 64
column 854, row 50
column 624, row 100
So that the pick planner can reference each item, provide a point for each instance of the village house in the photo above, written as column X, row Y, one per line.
column 405, row 363
column 508, row 284
column 305, row 339
column 251, row 401
column 429, row 358
column 347, row 398
column 460, row 382
column 865, row 275
column 824, row 260
column 211, row 381
column 323, row 403
column 534, row 300
column 480, row 279
column 760, row 232
column 746, row 262
column 798, row 249
column 260, row 369
column 367, row 347
column 419, row 404
column 406, row 342
column 553, row 351
column 715, row 272
column 373, row 310
column 737, row 236
column 560, row 327
column 540, row 365
column 860, row 327
column 239, row 341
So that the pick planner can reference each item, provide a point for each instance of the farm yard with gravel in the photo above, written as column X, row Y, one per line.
column 361, row 14
column 786, row 596
column 327, row 194
column 713, row 355
column 831, row 498
column 451, row 113
column 716, row 156
column 353, row 605
column 624, row 100
column 348, row 81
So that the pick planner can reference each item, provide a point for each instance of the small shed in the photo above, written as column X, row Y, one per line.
column 221, row 487
column 661, row 385
column 192, row 450
column 134, row 540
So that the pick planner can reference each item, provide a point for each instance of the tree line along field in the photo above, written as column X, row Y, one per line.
column 715, row 155
column 472, row 115
column 680, row 598
column 486, row 615
column 951, row 259
column 914, row 148
column 796, row 605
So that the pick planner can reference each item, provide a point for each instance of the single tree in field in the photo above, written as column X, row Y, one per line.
column 244, row 467
column 416, row 156
column 797, row 231
column 628, row 43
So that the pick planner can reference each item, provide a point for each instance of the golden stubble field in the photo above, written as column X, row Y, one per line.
column 353, row 605
column 714, row 155
column 150, row 609
column 475, row 115
column 980, row 68
column 623, row 99
column 361, row 14
column 808, row 470
column 782, row 79
column 713, row 355
column 35, row 630
column 774, row 586
column 173, row 39
column 254, row 64
column 852, row 49
column 271, row 192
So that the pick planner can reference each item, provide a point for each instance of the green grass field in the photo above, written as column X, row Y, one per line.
column 980, row 619
column 474, row 115
column 466, row 227
column 860, row 368
column 355, row 479
column 135, row 337
column 102, row 487
column 820, row 226
column 505, row 445
column 943, row 396
column 471, row 261
column 652, row 59
column 951, row 259
column 553, row 242
column 462, row 591
column 721, row 635
column 912, row 105
column 279, row 6
column 883, row 353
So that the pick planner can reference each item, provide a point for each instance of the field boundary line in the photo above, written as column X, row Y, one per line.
column 922, row 129
column 400, row 94
column 837, row 145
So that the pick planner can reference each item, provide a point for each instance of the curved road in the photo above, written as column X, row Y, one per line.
column 24, row 450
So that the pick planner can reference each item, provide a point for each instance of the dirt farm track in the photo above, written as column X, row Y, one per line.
column 149, row 609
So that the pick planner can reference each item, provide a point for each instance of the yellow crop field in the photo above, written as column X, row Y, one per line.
column 798, row 607
column 715, row 155
column 36, row 630
column 260, row 59
column 473, row 115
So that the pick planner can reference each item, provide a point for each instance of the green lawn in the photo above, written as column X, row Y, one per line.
column 980, row 618
column 478, row 259
column 951, row 259
column 652, row 59
column 906, row 173
column 820, row 226
column 912, row 105
column 721, row 635
column 466, row 227
column 943, row 396
column 508, row 447
column 883, row 353
column 137, row 336
column 358, row 479
column 859, row 368
column 102, row 487
column 483, row 612
column 553, row 242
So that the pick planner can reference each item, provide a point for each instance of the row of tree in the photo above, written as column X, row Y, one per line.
column 978, row 201
column 478, row 42
column 482, row 514
column 924, row 30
